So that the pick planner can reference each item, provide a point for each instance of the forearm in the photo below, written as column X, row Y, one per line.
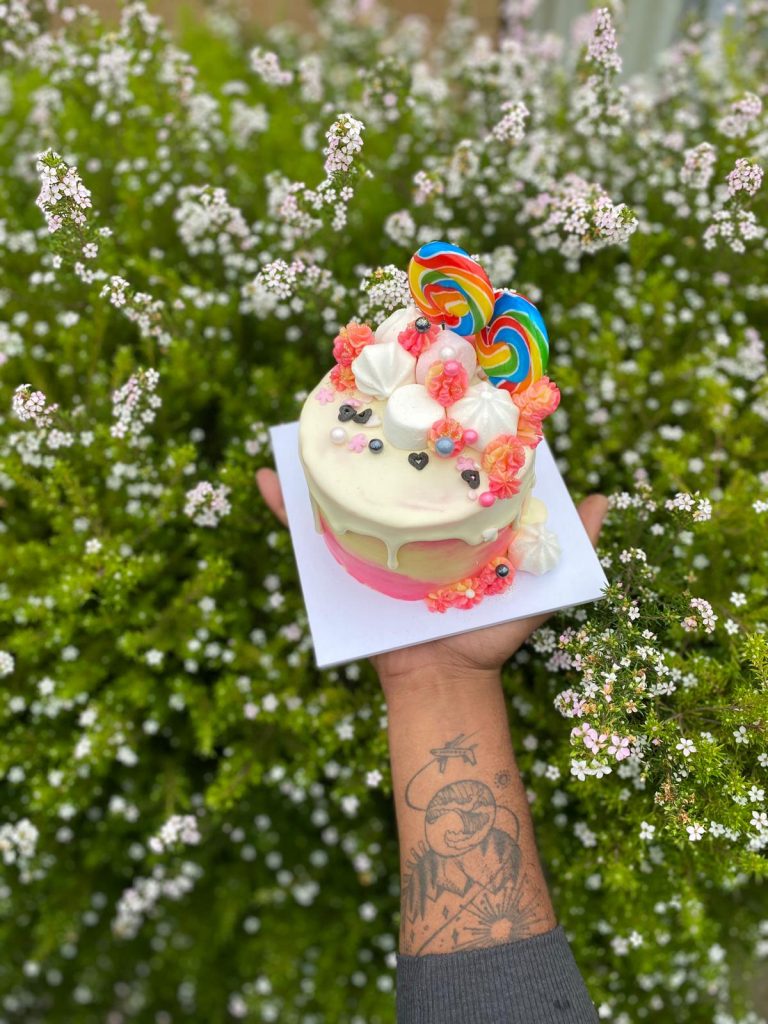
column 470, row 872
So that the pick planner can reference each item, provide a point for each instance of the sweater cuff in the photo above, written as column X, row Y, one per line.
column 532, row 981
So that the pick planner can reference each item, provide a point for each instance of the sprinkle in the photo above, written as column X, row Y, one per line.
column 375, row 444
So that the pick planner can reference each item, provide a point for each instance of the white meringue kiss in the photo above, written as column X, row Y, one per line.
column 488, row 410
column 379, row 369
column 535, row 549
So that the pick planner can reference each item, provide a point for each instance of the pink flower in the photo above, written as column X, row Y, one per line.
column 350, row 342
column 535, row 403
column 357, row 443
column 446, row 382
column 324, row 396
column 342, row 378
column 463, row 463
column 446, row 428
column 415, row 341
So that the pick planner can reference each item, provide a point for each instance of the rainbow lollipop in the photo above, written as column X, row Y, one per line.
column 514, row 348
column 450, row 288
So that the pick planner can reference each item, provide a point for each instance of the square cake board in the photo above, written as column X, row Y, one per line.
column 349, row 621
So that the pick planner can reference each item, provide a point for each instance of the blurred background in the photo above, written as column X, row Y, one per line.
column 650, row 25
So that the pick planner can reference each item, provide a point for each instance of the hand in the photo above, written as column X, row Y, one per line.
column 477, row 655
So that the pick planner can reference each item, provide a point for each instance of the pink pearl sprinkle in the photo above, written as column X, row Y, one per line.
column 470, row 436
column 486, row 499
column 452, row 367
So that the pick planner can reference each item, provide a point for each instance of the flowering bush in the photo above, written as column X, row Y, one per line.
column 194, row 823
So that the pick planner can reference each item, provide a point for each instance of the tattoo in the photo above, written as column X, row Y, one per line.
column 463, row 887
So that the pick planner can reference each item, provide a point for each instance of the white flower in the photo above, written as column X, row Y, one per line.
column 687, row 747
column 695, row 832
column 647, row 831
column 373, row 778
column 7, row 664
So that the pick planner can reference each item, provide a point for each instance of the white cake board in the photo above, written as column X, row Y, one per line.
column 349, row 620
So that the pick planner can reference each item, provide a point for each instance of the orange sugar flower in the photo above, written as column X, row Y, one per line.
column 350, row 342
column 535, row 403
column 503, row 458
column 342, row 378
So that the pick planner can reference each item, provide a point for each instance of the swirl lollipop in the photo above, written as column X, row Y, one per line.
column 514, row 348
column 451, row 288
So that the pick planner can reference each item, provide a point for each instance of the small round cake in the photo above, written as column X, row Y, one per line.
column 420, row 466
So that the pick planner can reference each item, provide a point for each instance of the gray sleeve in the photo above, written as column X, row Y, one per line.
column 532, row 981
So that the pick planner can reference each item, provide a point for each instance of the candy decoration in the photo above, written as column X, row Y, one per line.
column 502, row 570
column 487, row 499
column 514, row 348
column 338, row 435
column 346, row 412
column 472, row 477
column 451, row 288
column 418, row 459
column 364, row 416
column 444, row 446
column 375, row 444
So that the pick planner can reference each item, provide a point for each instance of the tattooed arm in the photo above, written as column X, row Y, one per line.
column 471, row 875
column 472, row 885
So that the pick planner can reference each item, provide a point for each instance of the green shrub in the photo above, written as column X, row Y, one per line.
column 195, row 823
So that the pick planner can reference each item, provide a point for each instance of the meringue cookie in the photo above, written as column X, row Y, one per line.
column 447, row 345
column 535, row 549
column 389, row 329
column 408, row 415
column 488, row 410
column 379, row 369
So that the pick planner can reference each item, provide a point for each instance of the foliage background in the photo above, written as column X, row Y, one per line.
column 194, row 823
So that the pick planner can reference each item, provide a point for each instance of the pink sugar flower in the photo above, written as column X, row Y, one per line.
column 446, row 428
column 446, row 382
column 463, row 463
column 357, row 443
column 415, row 341
column 324, row 396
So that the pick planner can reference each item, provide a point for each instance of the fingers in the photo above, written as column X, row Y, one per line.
column 592, row 513
column 272, row 493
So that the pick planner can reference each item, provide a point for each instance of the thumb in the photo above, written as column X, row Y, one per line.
column 592, row 512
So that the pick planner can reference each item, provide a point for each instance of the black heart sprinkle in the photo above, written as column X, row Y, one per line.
column 419, row 460
column 346, row 412
column 472, row 477
column 364, row 416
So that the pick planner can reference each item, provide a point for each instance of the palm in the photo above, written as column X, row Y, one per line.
column 484, row 649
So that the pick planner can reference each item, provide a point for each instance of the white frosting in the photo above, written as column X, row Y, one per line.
column 408, row 415
column 535, row 549
column 488, row 410
column 446, row 346
column 379, row 369
column 395, row 323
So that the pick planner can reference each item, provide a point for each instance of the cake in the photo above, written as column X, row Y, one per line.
column 419, row 444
